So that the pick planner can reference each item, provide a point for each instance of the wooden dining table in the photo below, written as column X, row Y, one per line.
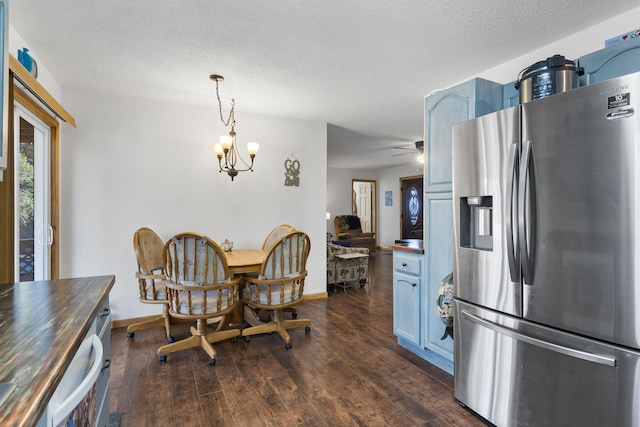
column 243, row 261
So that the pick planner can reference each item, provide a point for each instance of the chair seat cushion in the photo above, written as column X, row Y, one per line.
column 197, row 302
column 160, row 294
column 263, row 294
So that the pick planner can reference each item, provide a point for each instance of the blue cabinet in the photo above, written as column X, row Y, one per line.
column 444, row 109
column 611, row 62
column 412, row 310
column 510, row 95
column 438, row 264
column 407, row 287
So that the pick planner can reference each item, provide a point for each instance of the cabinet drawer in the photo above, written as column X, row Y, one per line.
column 103, row 314
column 407, row 264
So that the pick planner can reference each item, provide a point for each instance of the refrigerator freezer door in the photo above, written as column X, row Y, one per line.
column 585, row 154
column 485, row 161
column 515, row 373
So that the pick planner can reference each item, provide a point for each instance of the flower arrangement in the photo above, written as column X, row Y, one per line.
column 445, row 305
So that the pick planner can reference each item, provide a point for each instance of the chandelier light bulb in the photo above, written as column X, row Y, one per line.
column 252, row 148
column 226, row 141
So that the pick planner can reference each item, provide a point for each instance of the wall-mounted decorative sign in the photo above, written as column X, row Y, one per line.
column 388, row 198
column 291, row 172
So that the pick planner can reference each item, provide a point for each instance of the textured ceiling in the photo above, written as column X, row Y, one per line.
column 364, row 66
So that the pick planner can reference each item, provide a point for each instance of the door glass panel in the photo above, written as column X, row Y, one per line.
column 32, row 204
column 26, row 205
column 412, row 208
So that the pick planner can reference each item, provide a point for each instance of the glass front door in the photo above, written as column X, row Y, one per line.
column 34, row 234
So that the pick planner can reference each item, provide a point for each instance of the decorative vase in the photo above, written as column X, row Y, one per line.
column 28, row 62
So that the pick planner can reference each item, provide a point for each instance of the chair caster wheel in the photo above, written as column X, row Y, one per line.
column 212, row 362
column 287, row 346
column 294, row 315
column 131, row 334
column 307, row 329
column 247, row 339
column 162, row 358
column 170, row 340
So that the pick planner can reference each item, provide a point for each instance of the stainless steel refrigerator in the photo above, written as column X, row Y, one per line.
column 546, row 200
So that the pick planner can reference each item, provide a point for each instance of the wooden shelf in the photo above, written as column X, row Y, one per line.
column 39, row 91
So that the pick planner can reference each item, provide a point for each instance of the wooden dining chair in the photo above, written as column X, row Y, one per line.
column 151, row 290
column 276, row 234
column 273, row 236
column 199, row 287
column 280, row 285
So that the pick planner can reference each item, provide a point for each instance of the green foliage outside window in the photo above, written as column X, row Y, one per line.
column 26, row 190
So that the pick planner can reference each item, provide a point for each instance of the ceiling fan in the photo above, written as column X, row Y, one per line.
column 419, row 148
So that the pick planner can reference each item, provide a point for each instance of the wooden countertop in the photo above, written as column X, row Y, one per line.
column 416, row 246
column 42, row 324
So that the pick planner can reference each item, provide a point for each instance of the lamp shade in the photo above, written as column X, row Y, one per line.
column 252, row 148
column 226, row 141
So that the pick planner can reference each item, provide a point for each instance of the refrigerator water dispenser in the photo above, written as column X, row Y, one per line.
column 476, row 222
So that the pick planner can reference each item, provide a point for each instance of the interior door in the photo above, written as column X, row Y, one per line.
column 363, row 203
column 34, row 234
column 362, row 195
column 412, row 207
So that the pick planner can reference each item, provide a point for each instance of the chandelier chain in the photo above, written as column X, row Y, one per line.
column 231, row 119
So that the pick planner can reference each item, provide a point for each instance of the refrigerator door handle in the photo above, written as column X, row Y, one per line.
column 526, row 217
column 572, row 352
column 513, row 253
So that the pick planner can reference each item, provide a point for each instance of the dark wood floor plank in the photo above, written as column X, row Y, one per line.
column 349, row 371
column 119, row 347
column 215, row 410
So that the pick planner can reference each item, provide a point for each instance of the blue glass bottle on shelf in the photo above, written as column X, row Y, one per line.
column 28, row 62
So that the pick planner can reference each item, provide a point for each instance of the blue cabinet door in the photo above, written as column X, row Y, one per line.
column 510, row 95
column 614, row 61
column 439, row 263
column 406, row 310
column 444, row 109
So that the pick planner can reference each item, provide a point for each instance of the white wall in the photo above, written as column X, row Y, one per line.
column 389, row 216
column 16, row 42
column 339, row 191
column 134, row 162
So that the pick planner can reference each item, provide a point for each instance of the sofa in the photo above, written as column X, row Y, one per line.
column 343, row 271
column 349, row 231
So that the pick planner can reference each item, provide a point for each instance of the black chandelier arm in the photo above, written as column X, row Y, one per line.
column 227, row 168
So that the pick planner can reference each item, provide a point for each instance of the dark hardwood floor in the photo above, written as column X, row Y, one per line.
column 349, row 371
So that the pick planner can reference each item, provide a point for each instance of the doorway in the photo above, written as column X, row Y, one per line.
column 33, row 230
column 411, row 215
column 363, row 203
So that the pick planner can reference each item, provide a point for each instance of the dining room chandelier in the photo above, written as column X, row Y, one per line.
column 227, row 147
